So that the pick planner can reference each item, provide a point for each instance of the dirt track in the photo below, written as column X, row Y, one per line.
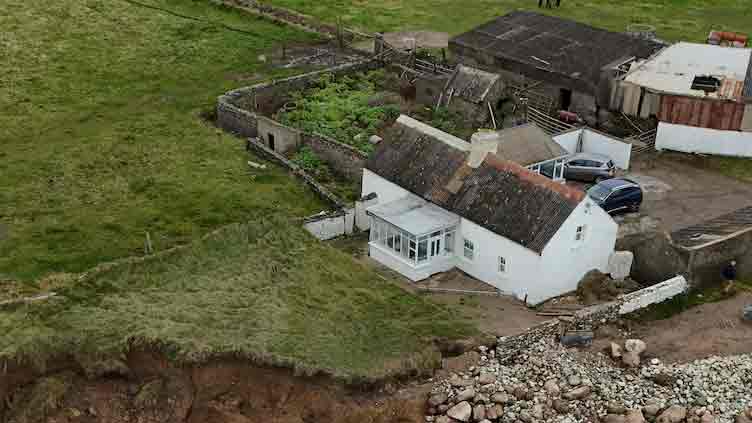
column 700, row 332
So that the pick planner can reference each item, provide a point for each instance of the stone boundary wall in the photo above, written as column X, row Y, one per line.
column 594, row 316
column 345, row 160
column 239, row 112
column 319, row 189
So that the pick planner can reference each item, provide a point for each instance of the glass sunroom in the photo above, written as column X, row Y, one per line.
column 420, row 236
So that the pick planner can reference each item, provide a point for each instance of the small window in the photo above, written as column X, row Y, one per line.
column 469, row 249
column 502, row 265
column 580, row 234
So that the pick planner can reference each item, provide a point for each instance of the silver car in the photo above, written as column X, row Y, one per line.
column 589, row 167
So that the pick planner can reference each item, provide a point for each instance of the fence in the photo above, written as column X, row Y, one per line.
column 550, row 125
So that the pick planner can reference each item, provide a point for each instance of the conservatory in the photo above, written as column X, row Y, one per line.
column 413, row 236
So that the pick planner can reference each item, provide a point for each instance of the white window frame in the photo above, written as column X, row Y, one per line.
column 468, row 252
column 503, row 267
column 580, row 233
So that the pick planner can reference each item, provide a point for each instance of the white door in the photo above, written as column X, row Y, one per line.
column 434, row 247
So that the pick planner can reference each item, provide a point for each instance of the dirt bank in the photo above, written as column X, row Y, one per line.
column 144, row 387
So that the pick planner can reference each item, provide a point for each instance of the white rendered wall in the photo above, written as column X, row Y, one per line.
column 690, row 139
column 385, row 190
column 523, row 265
column 566, row 261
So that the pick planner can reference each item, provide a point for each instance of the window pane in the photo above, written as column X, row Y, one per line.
column 449, row 242
column 469, row 249
column 423, row 250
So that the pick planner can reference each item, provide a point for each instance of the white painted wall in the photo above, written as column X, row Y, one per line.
column 619, row 151
column 331, row 227
column 653, row 294
column 539, row 277
column 566, row 261
column 690, row 139
column 524, row 269
column 597, row 143
column 568, row 140
column 362, row 220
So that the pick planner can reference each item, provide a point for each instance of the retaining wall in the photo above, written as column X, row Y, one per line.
column 592, row 317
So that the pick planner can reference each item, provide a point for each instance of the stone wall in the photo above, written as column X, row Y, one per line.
column 274, row 156
column 246, row 112
column 705, row 264
column 597, row 315
column 344, row 160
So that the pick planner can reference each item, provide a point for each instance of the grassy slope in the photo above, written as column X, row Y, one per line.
column 102, row 142
column 674, row 19
column 265, row 290
column 101, row 137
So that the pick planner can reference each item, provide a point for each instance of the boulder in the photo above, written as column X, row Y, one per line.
column 375, row 139
column 437, row 399
column 707, row 417
column 634, row 416
column 743, row 417
column 615, row 350
column 520, row 393
column 614, row 418
column 636, row 346
column 561, row 406
column 486, row 378
column 577, row 393
column 615, row 408
column 673, row 414
column 465, row 395
column 651, row 410
column 459, row 382
column 479, row 412
column 630, row 359
column 538, row 412
column 495, row 411
column 443, row 419
column 620, row 264
column 552, row 388
column 664, row 379
column 461, row 411
column 500, row 398
column 574, row 380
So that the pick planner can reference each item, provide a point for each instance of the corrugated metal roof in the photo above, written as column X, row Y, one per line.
column 498, row 195
column 674, row 69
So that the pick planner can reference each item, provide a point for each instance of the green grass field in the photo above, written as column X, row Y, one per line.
column 673, row 19
column 101, row 136
column 102, row 141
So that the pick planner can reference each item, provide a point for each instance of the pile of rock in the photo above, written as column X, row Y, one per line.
column 547, row 382
column 630, row 354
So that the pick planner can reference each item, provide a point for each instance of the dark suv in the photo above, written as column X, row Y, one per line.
column 617, row 195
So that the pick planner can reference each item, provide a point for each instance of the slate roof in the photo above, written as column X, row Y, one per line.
column 747, row 91
column 498, row 195
column 528, row 144
column 558, row 46
column 472, row 84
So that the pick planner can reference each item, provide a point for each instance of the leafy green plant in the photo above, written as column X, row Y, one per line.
column 339, row 108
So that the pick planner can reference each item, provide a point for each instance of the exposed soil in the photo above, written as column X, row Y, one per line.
column 145, row 388
column 699, row 332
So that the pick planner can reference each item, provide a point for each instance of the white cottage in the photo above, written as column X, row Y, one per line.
column 442, row 204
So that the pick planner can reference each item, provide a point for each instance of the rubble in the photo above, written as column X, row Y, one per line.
column 546, row 382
